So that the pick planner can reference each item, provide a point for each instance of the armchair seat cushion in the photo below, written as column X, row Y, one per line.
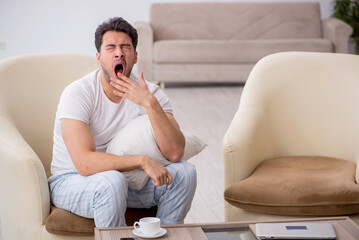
column 307, row 186
column 231, row 51
column 62, row 222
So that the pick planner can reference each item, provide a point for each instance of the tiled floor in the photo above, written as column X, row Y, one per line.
column 207, row 112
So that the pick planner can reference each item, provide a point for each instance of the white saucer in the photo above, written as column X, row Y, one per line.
column 160, row 233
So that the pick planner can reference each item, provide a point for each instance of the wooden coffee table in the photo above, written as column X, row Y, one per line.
column 344, row 227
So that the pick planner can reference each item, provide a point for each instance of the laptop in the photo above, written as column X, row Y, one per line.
column 295, row 230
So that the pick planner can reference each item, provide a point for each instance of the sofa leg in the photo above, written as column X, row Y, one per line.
column 162, row 85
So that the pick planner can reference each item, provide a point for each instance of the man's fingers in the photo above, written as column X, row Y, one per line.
column 118, row 93
column 119, row 82
column 118, row 88
column 163, row 180
column 124, row 78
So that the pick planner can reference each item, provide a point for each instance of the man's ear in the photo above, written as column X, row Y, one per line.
column 136, row 57
column 98, row 55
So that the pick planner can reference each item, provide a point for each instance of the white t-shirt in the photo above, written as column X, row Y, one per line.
column 86, row 101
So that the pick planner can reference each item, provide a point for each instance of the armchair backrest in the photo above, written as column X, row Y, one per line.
column 30, row 89
column 308, row 102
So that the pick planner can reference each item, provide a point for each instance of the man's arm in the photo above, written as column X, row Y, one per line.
column 80, row 143
column 169, row 137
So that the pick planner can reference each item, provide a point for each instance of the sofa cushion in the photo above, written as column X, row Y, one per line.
column 231, row 51
column 231, row 21
column 62, row 222
column 317, row 186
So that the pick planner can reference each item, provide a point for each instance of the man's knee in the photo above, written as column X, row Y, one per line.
column 110, row 199
column 112, row 183
column 191, row 172
column 185, row 174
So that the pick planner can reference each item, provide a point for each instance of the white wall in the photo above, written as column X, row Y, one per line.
column 38, row 26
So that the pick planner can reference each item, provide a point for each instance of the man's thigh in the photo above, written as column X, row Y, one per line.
column 78, row 194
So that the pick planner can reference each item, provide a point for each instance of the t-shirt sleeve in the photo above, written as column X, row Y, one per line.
column 75, row 104
column 161, row 97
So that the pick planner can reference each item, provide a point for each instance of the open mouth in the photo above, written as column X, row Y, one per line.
column 119, row 68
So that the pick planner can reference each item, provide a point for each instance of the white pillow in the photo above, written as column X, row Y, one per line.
column 137, row 138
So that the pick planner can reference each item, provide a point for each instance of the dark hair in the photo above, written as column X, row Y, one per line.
column 117, row 24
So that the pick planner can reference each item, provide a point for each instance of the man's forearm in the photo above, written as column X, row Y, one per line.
column 94, row 162
column 168, row 135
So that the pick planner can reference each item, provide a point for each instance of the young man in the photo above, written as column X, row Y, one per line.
column 86, row 180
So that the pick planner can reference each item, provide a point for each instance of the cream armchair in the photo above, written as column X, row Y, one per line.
column 30, row 88
column 295, row 106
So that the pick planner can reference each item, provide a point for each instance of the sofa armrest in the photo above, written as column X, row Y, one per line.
column 24, row 198
column 144, row 47
column 246, row 144
column 338, row 33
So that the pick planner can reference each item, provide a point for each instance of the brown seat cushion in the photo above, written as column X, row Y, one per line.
column 62, row 222
column 312, row 186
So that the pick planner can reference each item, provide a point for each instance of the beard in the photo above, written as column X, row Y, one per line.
column 106, row 74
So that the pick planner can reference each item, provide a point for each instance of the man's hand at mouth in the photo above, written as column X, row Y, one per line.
column 124, row 87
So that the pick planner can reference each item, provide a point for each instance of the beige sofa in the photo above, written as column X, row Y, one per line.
column 300, row 109
column 221, row 42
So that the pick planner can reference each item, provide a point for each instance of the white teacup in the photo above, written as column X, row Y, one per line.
column 148, row 226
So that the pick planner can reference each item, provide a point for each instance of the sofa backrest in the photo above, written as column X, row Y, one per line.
column 235, row 20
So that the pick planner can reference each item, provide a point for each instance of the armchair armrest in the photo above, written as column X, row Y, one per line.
column 144, row 47
column 24, row 198
column 357, row 173
column 246, row 144
column 338, row 33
